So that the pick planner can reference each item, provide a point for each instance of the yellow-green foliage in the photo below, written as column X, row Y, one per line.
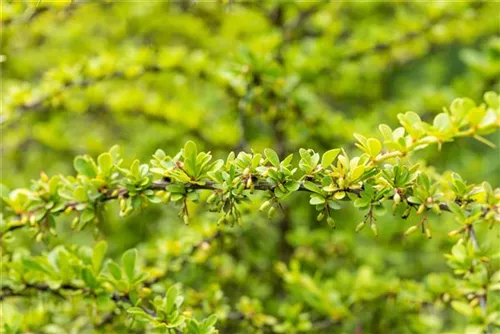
column 318, row 139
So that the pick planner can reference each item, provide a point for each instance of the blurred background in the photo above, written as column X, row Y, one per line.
column 79, row 77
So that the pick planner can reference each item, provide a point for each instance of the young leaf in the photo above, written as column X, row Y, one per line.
column 84, row 166
column 328, row 157
column 128, row 262
column 98, row 255
column 272, row 157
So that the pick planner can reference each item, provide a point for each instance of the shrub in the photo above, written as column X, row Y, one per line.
column 251, row 226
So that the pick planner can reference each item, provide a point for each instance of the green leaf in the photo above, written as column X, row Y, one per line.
column 86, row 216
column 84, row 166
column 128, row 262
column 386, row 131
column 328, row 157
column 190, row 153
column 317, row 199
column 105, row 161
column 98, row 255
column 89, row 278
column 292, row 186
column 462, row 307
column 272, row 157
column 456, row 210
column 139, row 313
column 312, row 187
column 114, row 270
column 374, row 146
column 442, row 122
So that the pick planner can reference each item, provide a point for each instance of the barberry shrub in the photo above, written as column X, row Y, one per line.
column 268, row 177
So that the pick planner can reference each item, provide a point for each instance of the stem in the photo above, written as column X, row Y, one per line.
column 482, row 299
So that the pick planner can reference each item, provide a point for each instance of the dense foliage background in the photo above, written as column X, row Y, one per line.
column 80, row 77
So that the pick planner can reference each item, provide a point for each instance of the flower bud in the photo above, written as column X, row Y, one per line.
column 249, row 183
column 374, row 228
column 411, row 230
column 264, row 206
column 397, row 198
column 320, row 216
column 186, row 219
column 75, row 222
column 271, row 212
column 428, row 233
column 211, row 198
column 360, row 226
column 123, row 204
column 331, row 222
column 455, row 232
column 421, row 209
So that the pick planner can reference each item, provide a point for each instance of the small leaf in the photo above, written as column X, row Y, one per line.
column 272, row 157
column 98, row 255
column 328, row 157
column 128, row 262
column 374, row 146
column 317, row 199
column 89, row 278
column 442, row 122
column 105, row 161
column 84, row 166
column 386, row 131
column 462, row 307
column 312, row 187
column 114, row 270
column 190, row 153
